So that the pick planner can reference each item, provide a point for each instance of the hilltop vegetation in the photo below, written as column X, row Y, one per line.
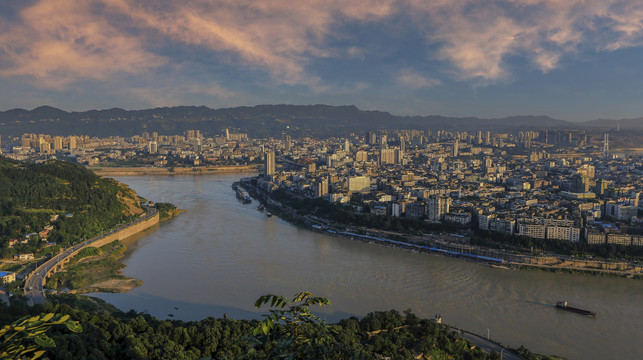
column 111, row 334
column 61, row 202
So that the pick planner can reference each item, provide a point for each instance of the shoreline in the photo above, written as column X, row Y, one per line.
column 155, row 171
column 119, row 283
column 35, row 281
column 529, row 262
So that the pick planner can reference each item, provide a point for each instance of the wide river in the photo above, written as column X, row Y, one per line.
column 221, row 255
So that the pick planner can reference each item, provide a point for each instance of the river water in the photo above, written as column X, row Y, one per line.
column 221, row 255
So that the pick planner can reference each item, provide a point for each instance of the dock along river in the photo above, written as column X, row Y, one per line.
column 221, row 255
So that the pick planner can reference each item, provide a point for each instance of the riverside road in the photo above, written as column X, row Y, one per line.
column 34, row 284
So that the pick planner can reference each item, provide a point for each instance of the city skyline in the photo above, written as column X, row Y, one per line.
column 571, row 60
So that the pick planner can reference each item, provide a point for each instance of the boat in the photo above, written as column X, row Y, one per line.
column 260, row 207
column 268, row 214
column 504, row 267
column 563, row 306
column 243, row 196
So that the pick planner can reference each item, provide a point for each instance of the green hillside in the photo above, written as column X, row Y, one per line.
column 58, row 201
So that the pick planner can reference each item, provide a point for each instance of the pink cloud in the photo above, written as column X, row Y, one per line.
column 477, row 36
column 57, row 42
column 278, row 36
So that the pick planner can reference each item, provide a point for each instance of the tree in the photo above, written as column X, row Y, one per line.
column 292, row 331
column 27, row 336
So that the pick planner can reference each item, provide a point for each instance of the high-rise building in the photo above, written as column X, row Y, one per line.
column 606, row 145
column 269, row 163
column 58, row 143
column 361, row 156
column 383, row 141
column 152, row 147
column 287, row 142
column 372, row 138
column 387, row 156
column 437, row 207
column 73, row 142
column 347, row 146
column 321, row 187
column 25, row 142
column 359, row 184
column 397, row 156
column 44, row 146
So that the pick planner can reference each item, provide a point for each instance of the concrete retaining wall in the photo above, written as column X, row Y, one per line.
column 119, row 234
column 127, row 232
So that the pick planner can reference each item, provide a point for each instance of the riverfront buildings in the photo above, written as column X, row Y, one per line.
column 552, row 184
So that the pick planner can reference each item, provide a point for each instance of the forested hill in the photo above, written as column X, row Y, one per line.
column 110, row 334
column 257, row 121
column 33, row 195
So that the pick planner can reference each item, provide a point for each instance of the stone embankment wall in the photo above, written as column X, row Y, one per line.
column 127, row 232
column 586, row 264
column 118, row 234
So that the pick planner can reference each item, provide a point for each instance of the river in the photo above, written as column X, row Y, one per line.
column 221, row 255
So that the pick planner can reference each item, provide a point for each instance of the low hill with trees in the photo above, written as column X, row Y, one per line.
column 57, row 202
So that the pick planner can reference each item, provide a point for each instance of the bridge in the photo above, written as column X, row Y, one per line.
column 35, row 281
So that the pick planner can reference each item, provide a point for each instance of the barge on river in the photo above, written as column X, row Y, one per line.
column 563, row 306
column 243, row 196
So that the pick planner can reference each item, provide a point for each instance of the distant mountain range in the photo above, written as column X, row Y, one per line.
column 264, row 121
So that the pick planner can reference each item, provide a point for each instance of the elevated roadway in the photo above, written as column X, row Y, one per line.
column 35, row 281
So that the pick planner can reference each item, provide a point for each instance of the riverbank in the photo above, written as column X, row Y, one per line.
column 452, row 245
column 196, row 170
column 35, row 281
column 103, row 272
column 95, row 269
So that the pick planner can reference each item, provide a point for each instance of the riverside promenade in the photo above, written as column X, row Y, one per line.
column 35, row 281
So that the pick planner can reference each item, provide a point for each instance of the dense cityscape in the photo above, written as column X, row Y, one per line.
column 552, row 184
column 373, row 179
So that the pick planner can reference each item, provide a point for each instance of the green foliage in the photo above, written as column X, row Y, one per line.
column 26, row 337
column 166, row 210
column 345, row 215
column 111, row 334
column 290, row 330
column 86, row 252
column 31, row 193
column 79, row 274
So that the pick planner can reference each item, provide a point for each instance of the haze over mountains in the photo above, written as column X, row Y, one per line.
column 264, row 120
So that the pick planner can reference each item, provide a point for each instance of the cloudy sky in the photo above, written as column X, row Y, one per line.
column 570, row 59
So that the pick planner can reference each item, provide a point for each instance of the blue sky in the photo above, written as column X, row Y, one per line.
column 569, row 59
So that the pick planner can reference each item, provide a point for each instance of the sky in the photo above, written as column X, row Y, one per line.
column 568, row 59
